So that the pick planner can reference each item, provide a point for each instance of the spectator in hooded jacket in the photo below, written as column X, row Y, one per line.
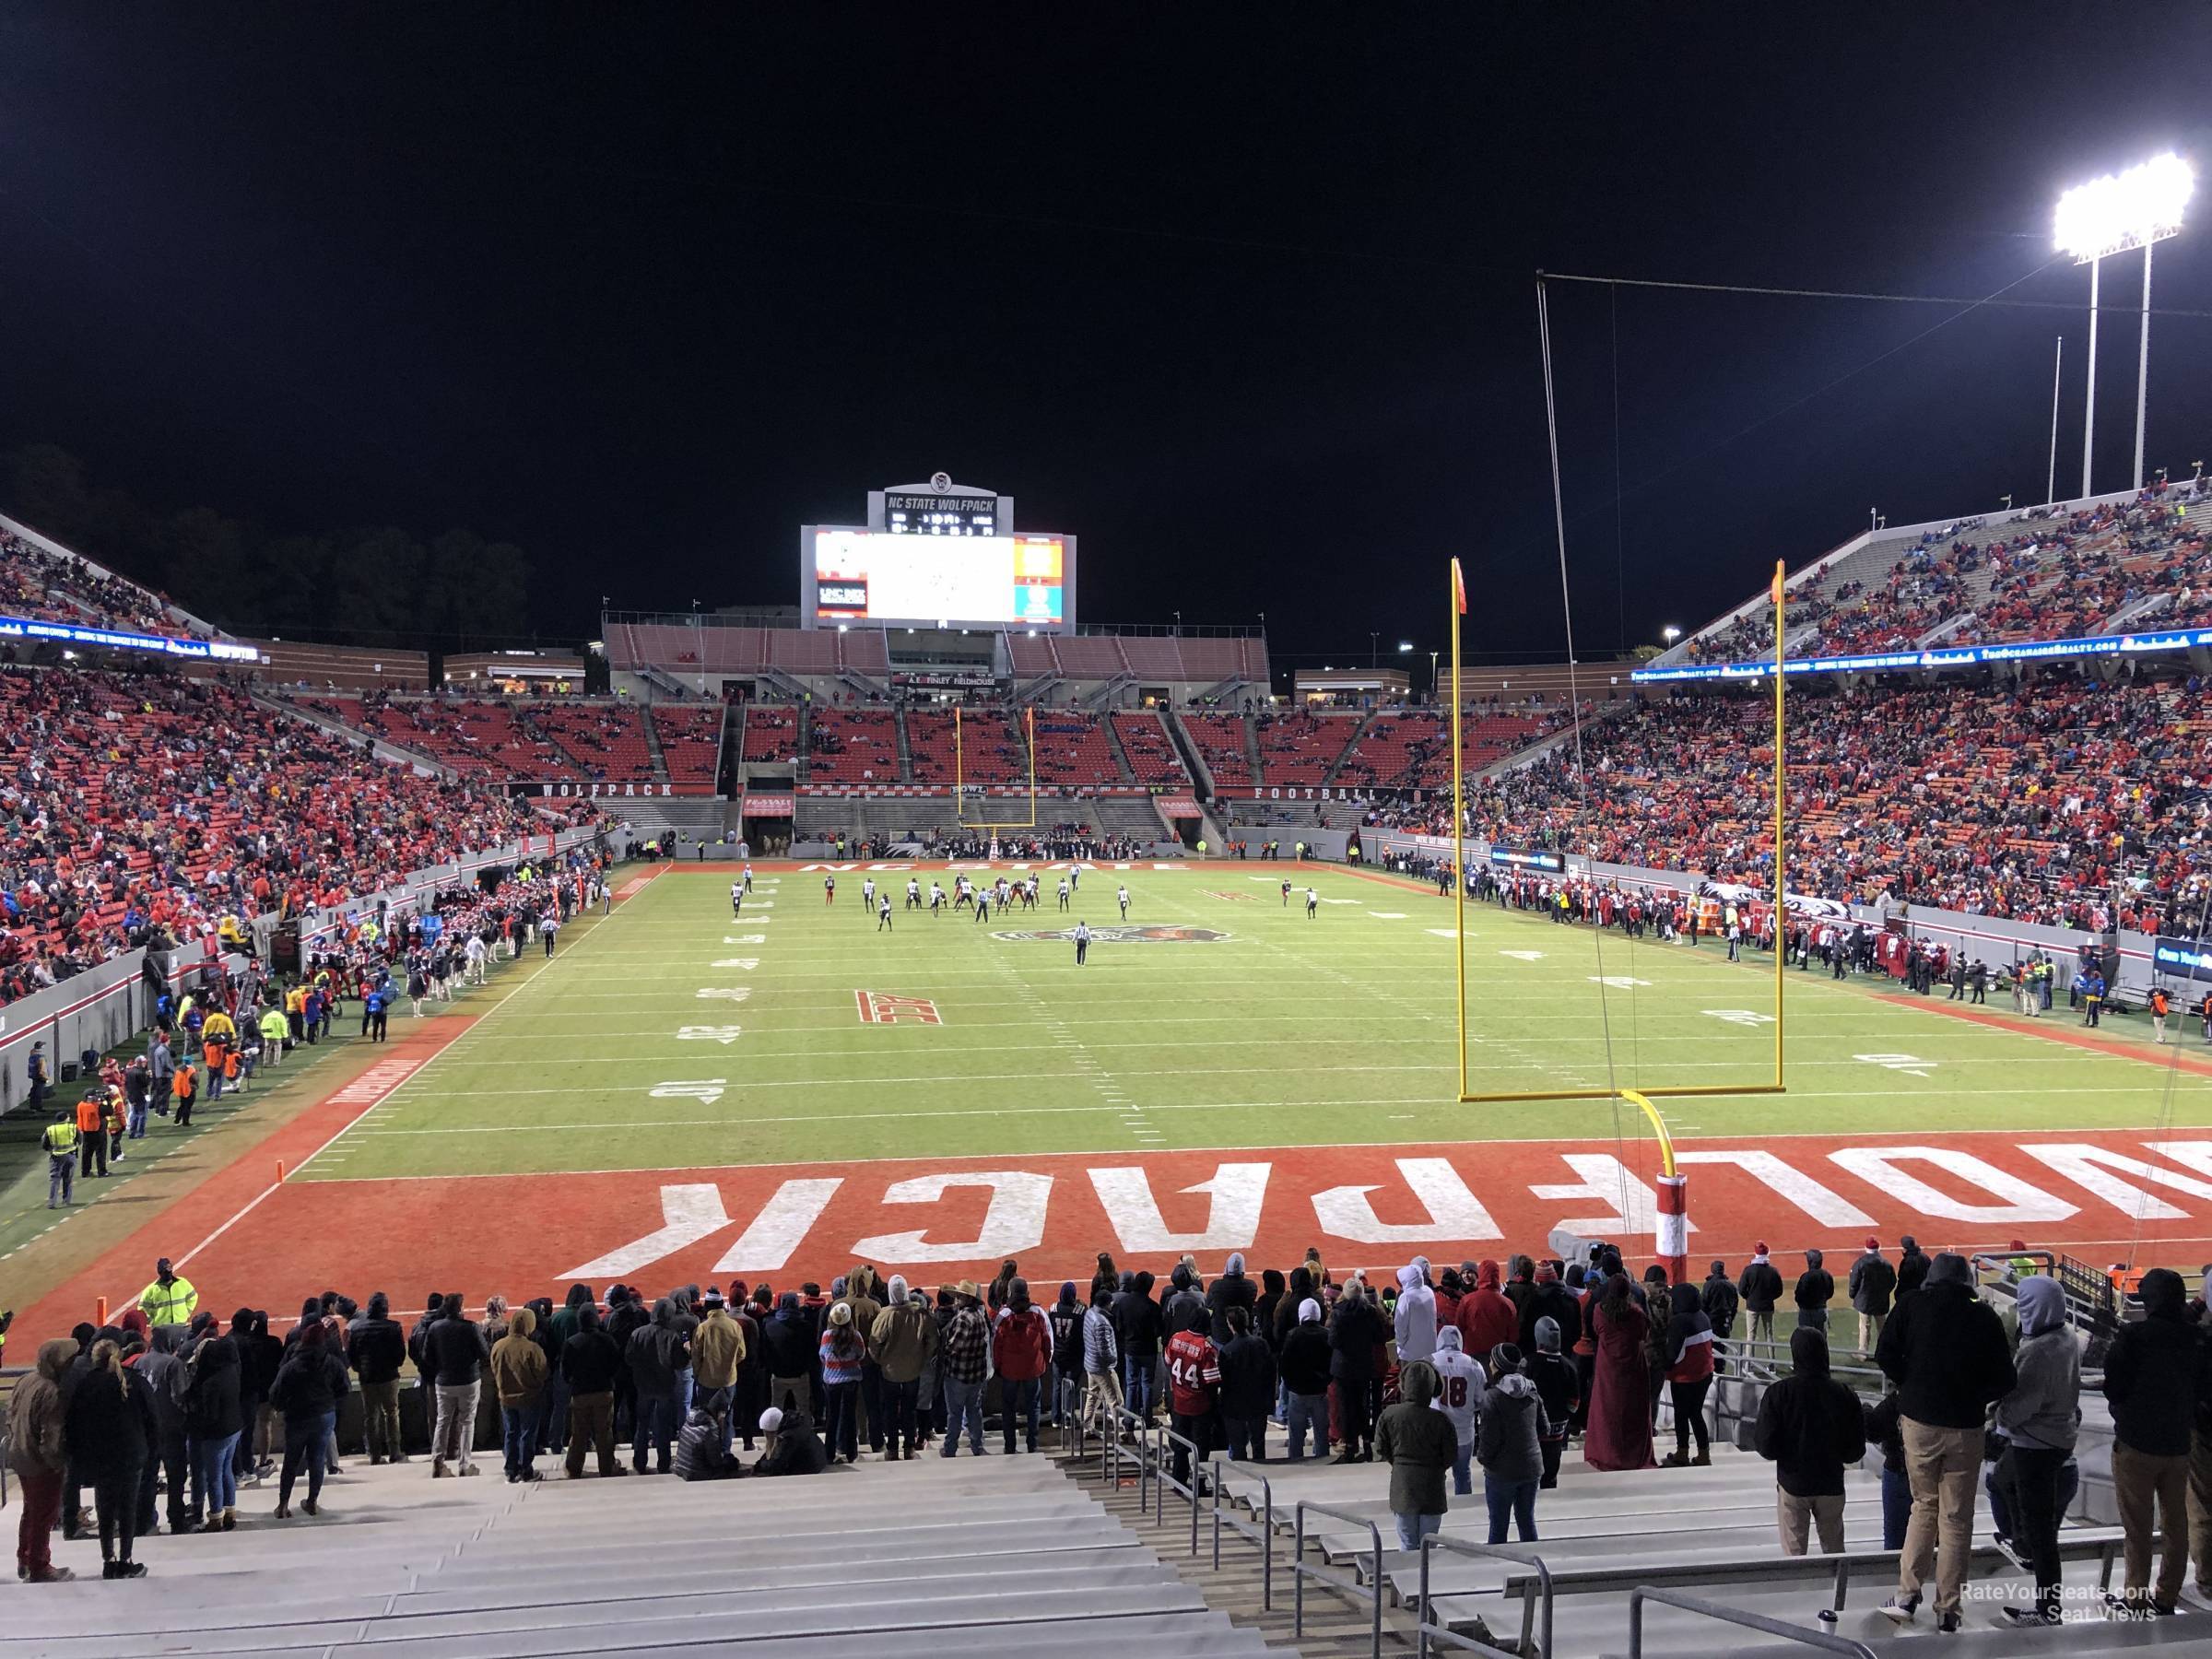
column 377, row 1349
column 1234, row 1288
column 1247, row 1387
column 2039, row 1420
column 108, row 1425
column 656, row 1355
column 904, row 1341
column 717, row 1351
column 2155, row 1381
column 1356, row 1333
column 1760, row 1289
column 35, row 1451
column 1420, row 1445
column 1139, row 1330
column 1509, row 1445
column 1559, row 1383
column 1460, row 1382
column 1305, row 1372
column 1810, row 1427
column 1872, row 1288
column 788, row 1345
column 1718, row 1297
column 1021, row 1349
column 1415, row 1316
column 1066, row 1317
column 1547, row 1298
column 1485, row 1318
column 1101, row 1363
column 454, row 1352
column 1688, row 1339
column 213, row 1421
column 518, row 1374
column 589, row 1363
column 1816, row 1289
column 309, row 1386
column 1945, row 1350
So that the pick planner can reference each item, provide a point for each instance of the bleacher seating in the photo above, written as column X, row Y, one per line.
column 690, row 738
column 990, row 751
column 1073, row 749
column 985, row 1557
column 772, row 731
column 853, row 746
column 1412, row 749
column 605, row 740
column 1221, row 740
column 1300, row 746
column 710, row 650
column 477, row 739
column 1151, row 751
column 137, row 800
column 2027, row 803
column 42, row 586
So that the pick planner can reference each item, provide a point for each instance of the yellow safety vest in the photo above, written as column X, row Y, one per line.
column 60, row 1140
column 169, row 1304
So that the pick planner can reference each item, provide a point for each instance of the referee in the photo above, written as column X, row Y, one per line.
column 1082, row 938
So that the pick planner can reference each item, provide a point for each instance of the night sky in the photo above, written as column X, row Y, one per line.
column 1240, row 295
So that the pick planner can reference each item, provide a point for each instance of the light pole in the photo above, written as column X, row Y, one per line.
column 1669, row 634
column 1374, row 650
column 2138, row 208
column 1432, row 656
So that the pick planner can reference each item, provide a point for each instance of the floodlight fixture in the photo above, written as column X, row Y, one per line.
column 2124, row 210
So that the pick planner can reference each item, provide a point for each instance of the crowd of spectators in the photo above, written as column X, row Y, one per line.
column 143, row 809
column 2035, row 802
column 40, row 586
column 1440, row 1375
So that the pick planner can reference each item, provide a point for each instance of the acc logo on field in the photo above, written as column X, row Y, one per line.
column 1124, row 936
column 1217, row 893
column 880, row 1007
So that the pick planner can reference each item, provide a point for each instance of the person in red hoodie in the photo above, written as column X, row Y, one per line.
column 1485, row 1318
column 1021, row 1350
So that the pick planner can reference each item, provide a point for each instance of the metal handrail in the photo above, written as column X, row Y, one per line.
column 1821, row 1640
column 1300, row 1573
column 1162, row 1474
column 1263, row 1534
column 1534, row 1611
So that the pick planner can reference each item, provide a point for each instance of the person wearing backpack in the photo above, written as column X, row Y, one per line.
column 1066, row 1320
column 1718, row 1297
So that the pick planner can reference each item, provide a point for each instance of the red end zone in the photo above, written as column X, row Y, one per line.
column 2108, row 1196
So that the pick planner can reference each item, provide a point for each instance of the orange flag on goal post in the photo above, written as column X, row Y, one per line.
column 1459, row 588
column 1776, row 589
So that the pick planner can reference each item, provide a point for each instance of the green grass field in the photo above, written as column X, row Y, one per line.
column 673, row 1036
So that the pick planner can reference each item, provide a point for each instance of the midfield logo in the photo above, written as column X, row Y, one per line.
column 1123, row 936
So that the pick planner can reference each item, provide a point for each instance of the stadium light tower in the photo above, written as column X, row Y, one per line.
column 2138, row 208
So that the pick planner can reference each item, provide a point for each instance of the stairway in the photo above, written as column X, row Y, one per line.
column 1121, row 755
column 652, row 745
column 906, row 753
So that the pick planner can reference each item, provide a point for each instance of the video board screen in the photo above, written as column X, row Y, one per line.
column 920, row 580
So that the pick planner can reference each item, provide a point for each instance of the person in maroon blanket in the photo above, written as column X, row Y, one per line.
column 1618, row 1435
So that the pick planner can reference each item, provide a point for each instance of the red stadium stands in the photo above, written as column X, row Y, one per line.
column 690, row 737
column 991, row 750
column 853, row 746
column 1151, row 751
column 772, row 731
column 136, row 799
column 1073, row 749
column 1301, row 747
column 1221, row 742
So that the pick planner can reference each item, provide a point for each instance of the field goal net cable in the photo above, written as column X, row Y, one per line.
column 1641, row 1095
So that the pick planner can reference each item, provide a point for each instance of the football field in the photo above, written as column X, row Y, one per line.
column 684, row 1094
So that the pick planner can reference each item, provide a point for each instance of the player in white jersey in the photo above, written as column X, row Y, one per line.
column 883, row 912
column 1313, row 904
column 936, row 900
column 914, row 893
column 1063, row 892
column 867, row 895
column 737, row 897
column 1121, row 893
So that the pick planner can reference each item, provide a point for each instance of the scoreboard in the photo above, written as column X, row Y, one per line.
column 936, row 555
